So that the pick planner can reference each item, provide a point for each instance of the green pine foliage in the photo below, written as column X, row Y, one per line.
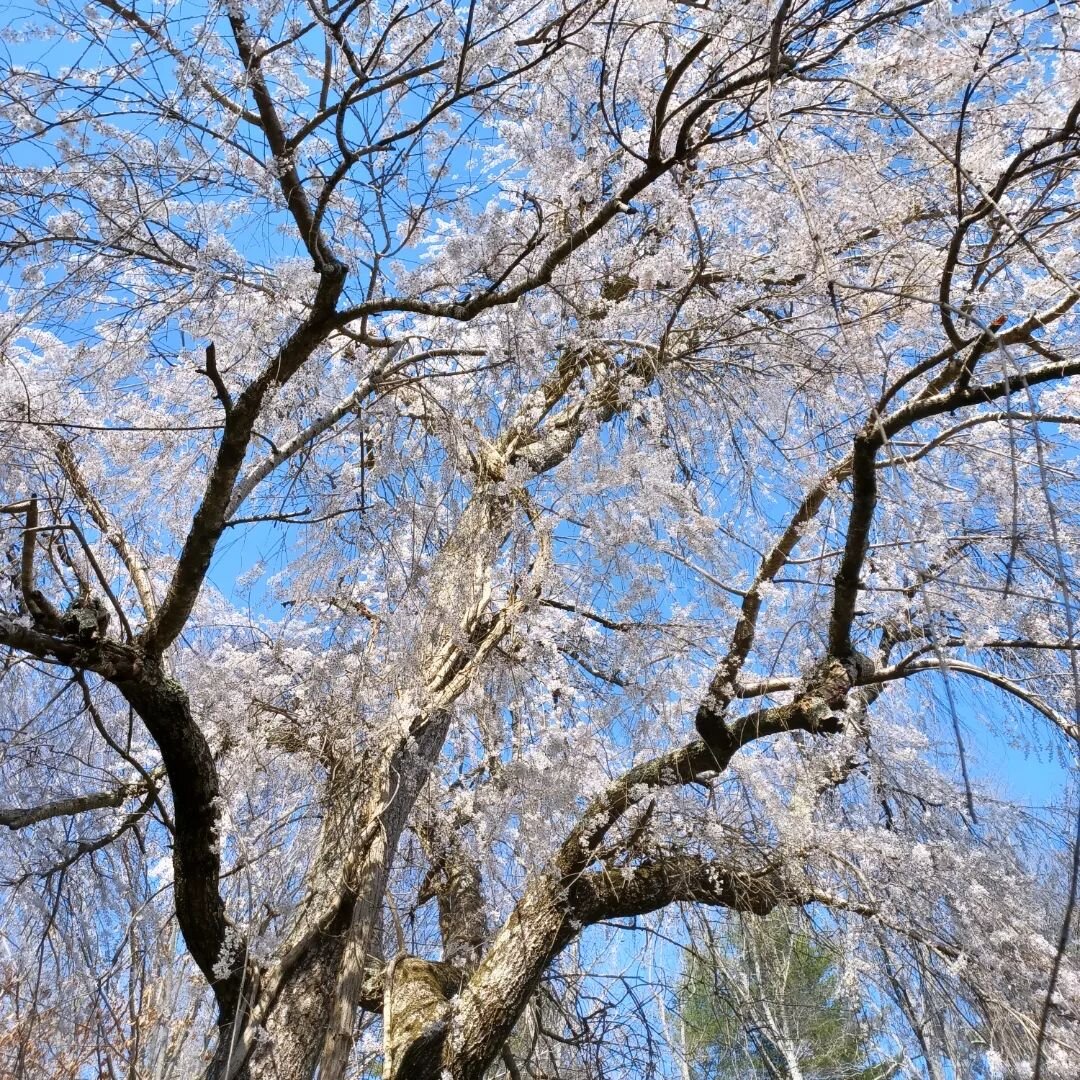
column 764, row 1002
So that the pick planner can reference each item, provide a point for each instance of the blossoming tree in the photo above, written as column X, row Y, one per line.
column 481, row 479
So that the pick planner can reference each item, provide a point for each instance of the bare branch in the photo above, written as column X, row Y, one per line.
column 20, row 817
column 113, row 533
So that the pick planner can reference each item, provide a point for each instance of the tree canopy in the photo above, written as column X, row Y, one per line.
column 483, row 483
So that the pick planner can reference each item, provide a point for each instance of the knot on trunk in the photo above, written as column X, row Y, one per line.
column 86, row 619
column 829, row 681
column 828, row 684
column 710, row 725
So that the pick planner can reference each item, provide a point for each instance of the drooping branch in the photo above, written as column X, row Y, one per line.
column 915, row 664
column 21, row 817
column 945, row 393
column 142, row 26
column 948, row 401
column 88, row 847
column 1002, row 682
column 997, row 417
column 164, row 708
column 990, row 203
column 813, row 711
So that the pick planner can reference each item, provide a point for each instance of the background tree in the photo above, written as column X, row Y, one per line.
column 418, row 418
column 766, row 1001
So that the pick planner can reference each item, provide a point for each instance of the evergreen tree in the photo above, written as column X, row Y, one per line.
column 764, row 1002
